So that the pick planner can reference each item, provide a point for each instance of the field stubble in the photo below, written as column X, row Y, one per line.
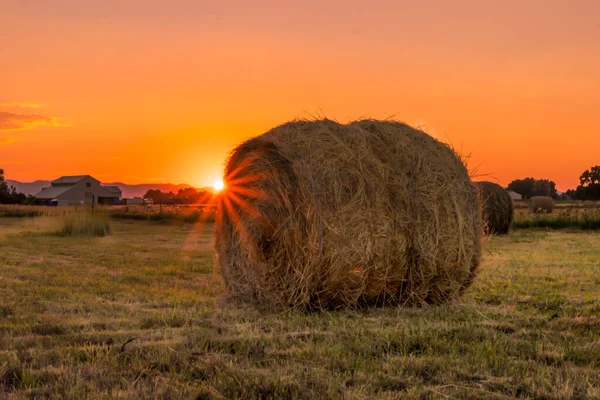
column 142, row 314
column 566, row 215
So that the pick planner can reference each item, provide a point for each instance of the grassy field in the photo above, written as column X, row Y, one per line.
column 573, row 215
column 154, row 213
column 564, row 216
column 141, row 313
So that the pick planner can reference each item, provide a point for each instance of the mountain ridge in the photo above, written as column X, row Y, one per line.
column 128, row 190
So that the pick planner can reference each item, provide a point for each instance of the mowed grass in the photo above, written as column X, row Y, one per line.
column 142, row 314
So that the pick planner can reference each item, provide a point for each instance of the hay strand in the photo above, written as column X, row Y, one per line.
column 366, row 213
column 497, row 207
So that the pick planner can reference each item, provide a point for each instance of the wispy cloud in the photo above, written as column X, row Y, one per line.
column 20, row 115
column 20, row 105
column 12, row 121
column 6, row 140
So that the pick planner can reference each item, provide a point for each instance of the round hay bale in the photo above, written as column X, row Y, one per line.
column 538, row 204
column 318, row 215
column 497, row 207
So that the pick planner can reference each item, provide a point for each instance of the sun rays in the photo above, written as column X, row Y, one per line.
column 231, row 202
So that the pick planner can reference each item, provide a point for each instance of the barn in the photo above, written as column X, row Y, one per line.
column 514, row 195
column 78, row 190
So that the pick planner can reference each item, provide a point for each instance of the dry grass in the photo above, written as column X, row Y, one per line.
column 155, row 213
column 141, row 314
column 84, row 221
column 563, row 217
column 30, row 211
column 560, row 204
column 165, row 213
column 62, row 221
column 567, row 215
column 322, row 215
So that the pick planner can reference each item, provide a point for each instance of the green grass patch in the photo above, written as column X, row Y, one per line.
column 143, row 314
column 549, row 221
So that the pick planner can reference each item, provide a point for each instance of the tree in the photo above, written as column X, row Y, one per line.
column 4, row 191
column 589, row 184
column 530, row 187
column 30, row 199
column 524, row 187
column 590, row 176
column 183, row 196
column 187, row 196
column 9, row 194
column 544, row 187
column 3, row 184
column 156, row 195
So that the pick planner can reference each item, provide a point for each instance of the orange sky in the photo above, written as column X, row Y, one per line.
column 160, row 91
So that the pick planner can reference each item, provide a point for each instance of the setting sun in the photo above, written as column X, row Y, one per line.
column 300, row 199
column 218, row 185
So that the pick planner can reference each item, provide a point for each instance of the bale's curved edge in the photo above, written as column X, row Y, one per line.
column 319, row 215
column 539, row 204
column 497, row 207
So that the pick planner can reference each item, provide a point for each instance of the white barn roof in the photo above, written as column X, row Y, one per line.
column 113, row 189
column 52, row 192
column 72, row 179
column 514, row 195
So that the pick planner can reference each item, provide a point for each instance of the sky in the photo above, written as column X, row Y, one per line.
column 161, row 91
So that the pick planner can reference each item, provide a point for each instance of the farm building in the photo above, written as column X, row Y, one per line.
column 514, row 195
column 78, row 190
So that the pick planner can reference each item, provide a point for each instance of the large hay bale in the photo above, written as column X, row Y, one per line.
column 497, row 207
column 538, row 204
column 322, row 215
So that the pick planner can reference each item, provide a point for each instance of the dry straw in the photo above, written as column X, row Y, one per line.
column 323, row 215
column 497, row 207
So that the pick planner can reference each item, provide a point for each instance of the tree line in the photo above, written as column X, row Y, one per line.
column 9, row 194
column 530, row 187
column 588, row 189
column 589, row 185
column 183, row 196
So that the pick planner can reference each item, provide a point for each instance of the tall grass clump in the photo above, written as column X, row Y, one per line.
column 320, row 215
column 586, row 220
column 84, row 221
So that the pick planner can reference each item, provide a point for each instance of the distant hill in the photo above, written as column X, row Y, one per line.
column 129, row 191
column 28, row 187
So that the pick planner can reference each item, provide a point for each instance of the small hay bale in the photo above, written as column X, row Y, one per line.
column 539, row 204
column 497, row 207
column 320, row 215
